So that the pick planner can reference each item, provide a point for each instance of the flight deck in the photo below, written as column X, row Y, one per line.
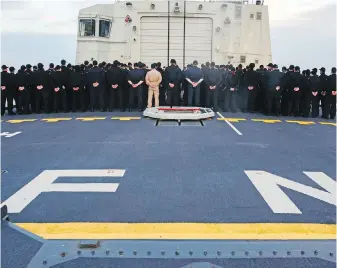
column 122, row 190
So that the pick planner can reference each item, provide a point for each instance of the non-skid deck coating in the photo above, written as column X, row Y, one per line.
column 178, row 182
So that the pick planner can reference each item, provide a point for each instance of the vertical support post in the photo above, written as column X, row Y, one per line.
column 168, row 33
column 184, row 42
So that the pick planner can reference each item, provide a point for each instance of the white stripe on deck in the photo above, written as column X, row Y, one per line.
column 230, row 124
column 83, row 187
column 44, row 182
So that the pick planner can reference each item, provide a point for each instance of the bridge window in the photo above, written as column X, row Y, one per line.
column 104, row 28
column 87, row 27
column 242, row 59
column 251, row 16
column 258, row 15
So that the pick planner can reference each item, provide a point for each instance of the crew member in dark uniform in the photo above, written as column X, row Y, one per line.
column 76, row 83
column 22, row 78
column 162, row 101
column 86, row 88
column 222, row 86
column 42, row 89
column 306, row 94
column 144, row 85
column 95, row 80
column 5, row 89
column 185, row 85
column 12, row 91
column 66, row 69
column 50, row 89
column 240, row 94
column 203, row 86
column 323, row 84
column 31, row 88
column 135, row 80
column 172, row 77
column 194, row 76
column 232, row 85
column 251, row 81
column 262, row 88
column 212, row 81
column 295, row 89
column 314, row 91
column 125, row 85
column 274, row 90
column 330, row 98
column 115, row 86
column 104, row 87
column 58, row 85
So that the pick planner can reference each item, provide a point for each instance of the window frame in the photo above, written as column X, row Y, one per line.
column 93, row 21
column 252, row 16
column 243, row 57
column 258, row 15
column 99, row 27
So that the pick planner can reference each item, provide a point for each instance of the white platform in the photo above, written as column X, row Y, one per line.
column 181, row 113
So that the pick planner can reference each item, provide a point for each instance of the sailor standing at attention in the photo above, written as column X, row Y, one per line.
column 136, row 79
column 153, row 79
column 194, row 76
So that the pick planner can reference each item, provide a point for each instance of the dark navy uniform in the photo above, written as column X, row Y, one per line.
column 22, row 79
column 76, row 83
column 314, row 91
column 5, row 88
column 115, row 87
column 95, row 81
column 172, row 76
column 323, row 84
column 136, row 77
column 58, row 85
column 42, row 89
column 330, row 98
column 274, row 90
column 251, row 81
column 232, row 84
column 212, row 79
column 296, row 86
column 194, row 74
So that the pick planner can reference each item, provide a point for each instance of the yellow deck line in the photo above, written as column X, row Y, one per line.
column 18, row 121
column 252, row 231
column 90, row 118
column 233, row 120
column 126, row 118
column 328, row 123
column 53, row 120
column 267, row 121
column 301, row 122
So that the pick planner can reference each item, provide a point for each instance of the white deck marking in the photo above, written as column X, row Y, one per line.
column 230, row 124
column 323, row 180
column 269, row 184
column 44, row 183
column 82, row 187
column 9, row 135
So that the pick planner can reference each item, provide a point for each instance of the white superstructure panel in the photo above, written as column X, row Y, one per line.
column 154, row 39
column 221, row 31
